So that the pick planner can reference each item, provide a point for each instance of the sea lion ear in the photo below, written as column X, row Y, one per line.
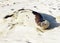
column 43, row 20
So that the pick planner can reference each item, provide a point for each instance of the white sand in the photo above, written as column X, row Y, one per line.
column 20, row 29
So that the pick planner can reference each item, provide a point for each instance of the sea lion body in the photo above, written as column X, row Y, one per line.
column 44, row 24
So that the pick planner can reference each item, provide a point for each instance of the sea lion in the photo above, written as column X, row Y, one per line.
column 44, row 24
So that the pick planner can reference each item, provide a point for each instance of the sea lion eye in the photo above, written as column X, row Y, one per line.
column 43, row 24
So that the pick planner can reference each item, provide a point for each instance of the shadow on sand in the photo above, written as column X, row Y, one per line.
column 52, row 20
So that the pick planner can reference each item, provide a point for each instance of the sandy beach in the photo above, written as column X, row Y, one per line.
column 20, row 26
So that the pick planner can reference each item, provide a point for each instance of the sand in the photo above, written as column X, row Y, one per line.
column 19, row 29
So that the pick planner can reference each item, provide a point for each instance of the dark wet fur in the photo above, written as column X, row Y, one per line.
column 38, row 15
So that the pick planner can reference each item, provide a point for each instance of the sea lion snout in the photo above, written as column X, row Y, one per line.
column 45, row 24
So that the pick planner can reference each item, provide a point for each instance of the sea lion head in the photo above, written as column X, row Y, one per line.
column 44, row 24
